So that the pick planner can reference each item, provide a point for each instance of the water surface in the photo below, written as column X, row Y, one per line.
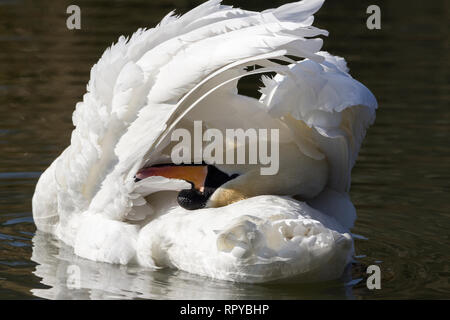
column 400, row 184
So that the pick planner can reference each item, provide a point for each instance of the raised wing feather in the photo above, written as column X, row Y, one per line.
column 336, row 108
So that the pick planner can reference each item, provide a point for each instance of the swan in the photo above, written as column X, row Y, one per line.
column 114, row 195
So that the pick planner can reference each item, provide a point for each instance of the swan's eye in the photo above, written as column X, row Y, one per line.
column 205, row 180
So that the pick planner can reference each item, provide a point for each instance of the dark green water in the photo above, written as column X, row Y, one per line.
column 400, row 184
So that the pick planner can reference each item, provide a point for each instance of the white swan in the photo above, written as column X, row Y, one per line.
column 253, row 229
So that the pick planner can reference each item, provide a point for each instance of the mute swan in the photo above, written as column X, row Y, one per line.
column 110, row 196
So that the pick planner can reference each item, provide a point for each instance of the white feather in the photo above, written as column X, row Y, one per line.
column 335, row 106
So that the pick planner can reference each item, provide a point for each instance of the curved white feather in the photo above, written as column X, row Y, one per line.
column 328, row 100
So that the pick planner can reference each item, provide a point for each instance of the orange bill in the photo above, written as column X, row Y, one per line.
column 194, row 174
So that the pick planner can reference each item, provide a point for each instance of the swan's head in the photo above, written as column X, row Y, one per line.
column 118, row 193
column 204, row 180
column 216, row 185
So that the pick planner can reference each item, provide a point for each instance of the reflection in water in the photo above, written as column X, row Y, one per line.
column 59, row 269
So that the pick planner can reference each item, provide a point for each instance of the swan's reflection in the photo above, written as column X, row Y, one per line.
column 70, row 277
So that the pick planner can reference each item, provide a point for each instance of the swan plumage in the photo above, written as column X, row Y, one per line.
column 187, row 67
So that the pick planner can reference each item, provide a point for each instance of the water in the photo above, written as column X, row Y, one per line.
column 400, row 184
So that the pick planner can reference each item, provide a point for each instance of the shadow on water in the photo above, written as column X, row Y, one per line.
column 400, row 184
